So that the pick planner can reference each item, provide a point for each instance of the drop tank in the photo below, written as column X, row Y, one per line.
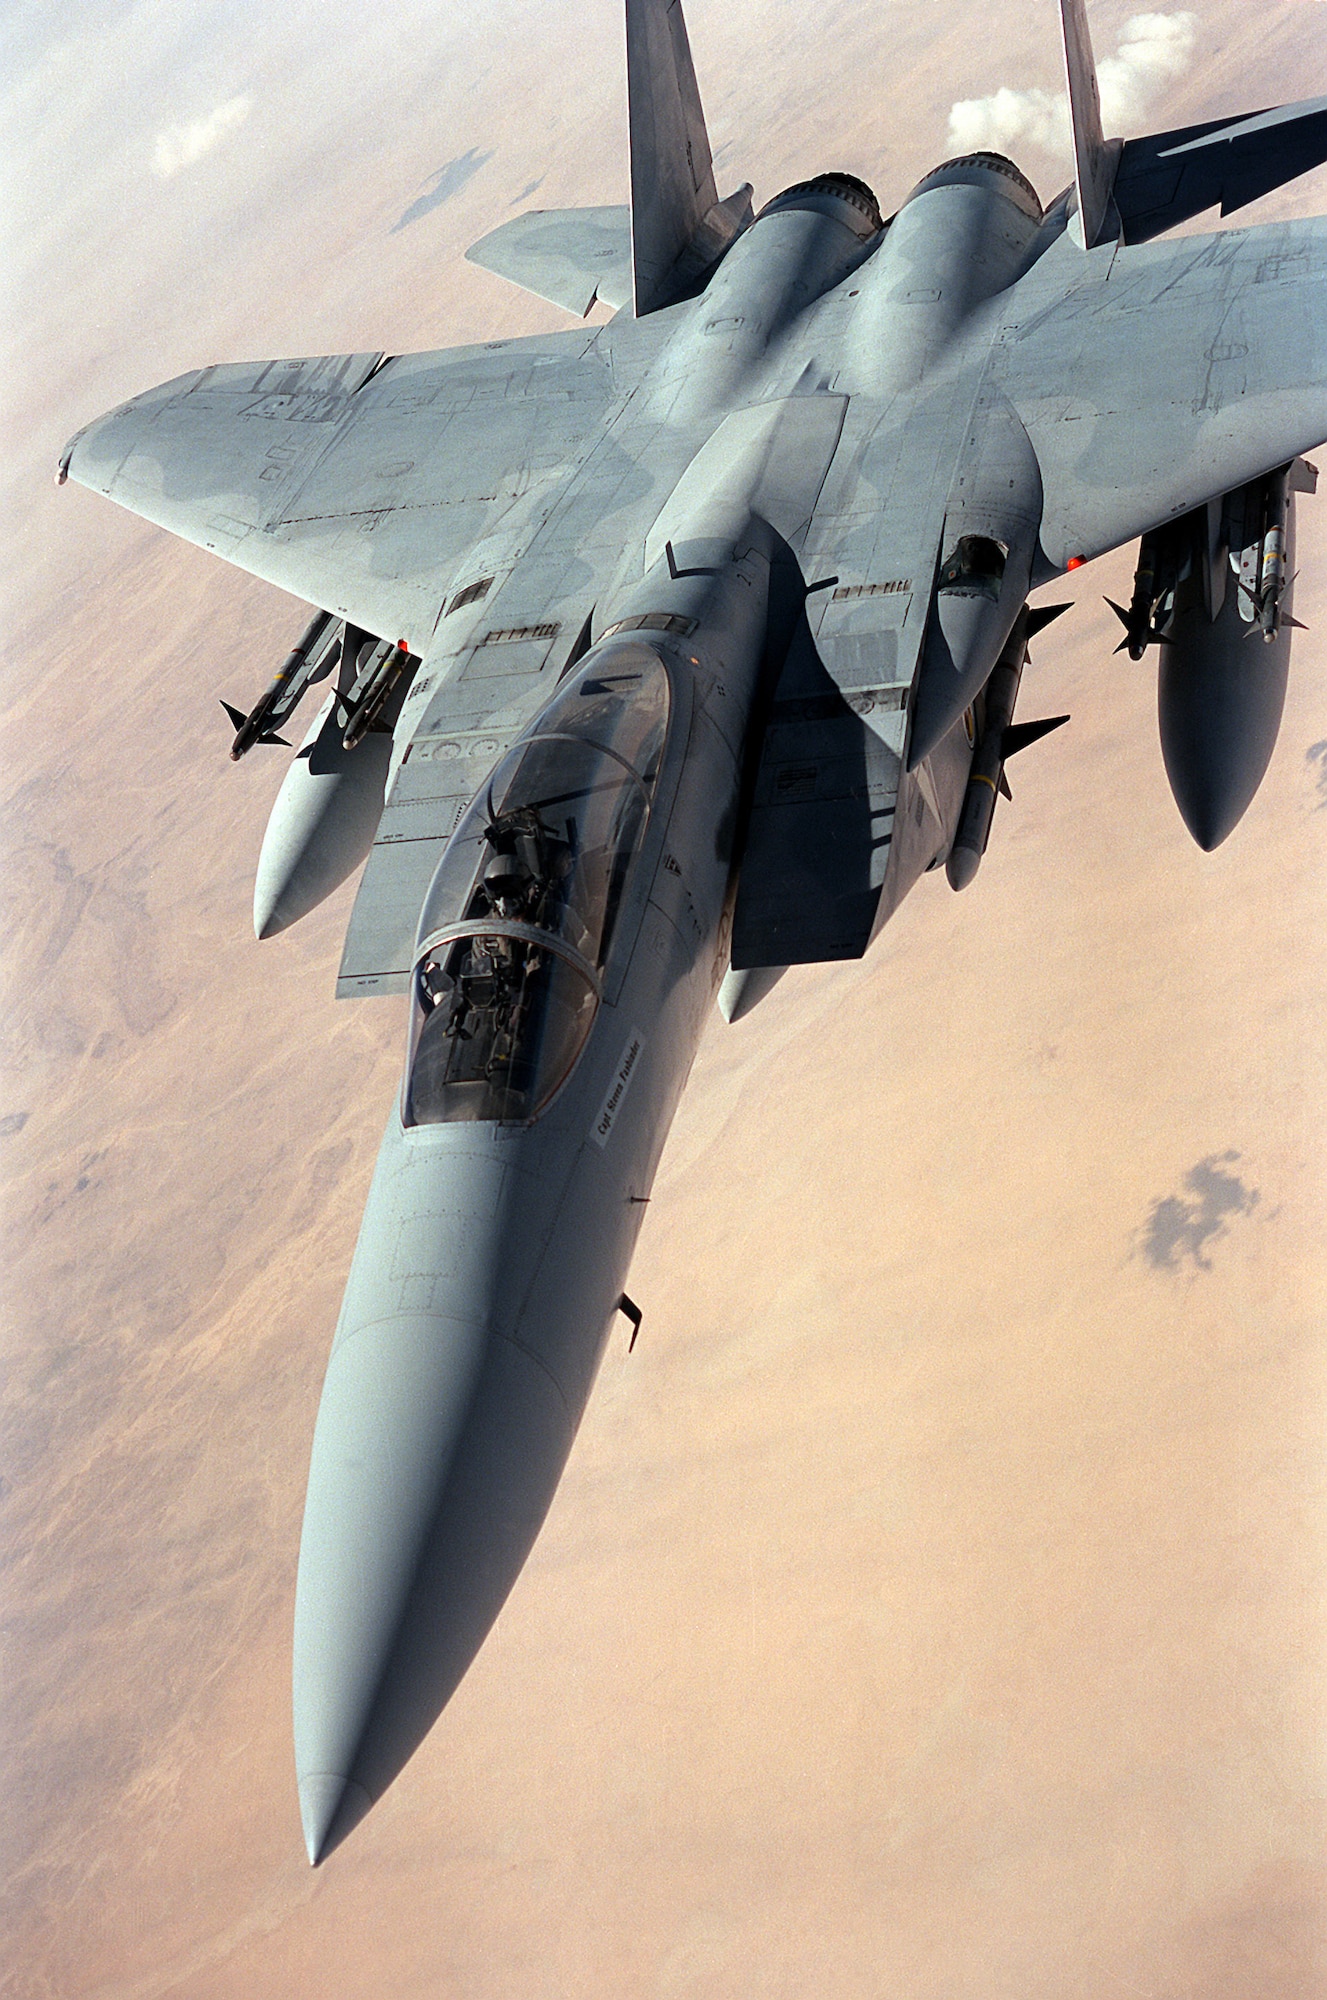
column 1213, row 592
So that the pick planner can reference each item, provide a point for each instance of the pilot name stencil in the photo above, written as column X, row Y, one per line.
column 612, row 1104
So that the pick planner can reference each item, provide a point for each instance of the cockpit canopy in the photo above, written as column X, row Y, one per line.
column 519, row 918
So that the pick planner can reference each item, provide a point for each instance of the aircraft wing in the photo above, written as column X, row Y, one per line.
column 358, row 482
column 1152, row 377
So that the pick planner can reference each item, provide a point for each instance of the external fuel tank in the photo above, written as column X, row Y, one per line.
column 1214, row 591
column 323, row 821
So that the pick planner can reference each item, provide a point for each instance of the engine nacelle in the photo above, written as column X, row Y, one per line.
column 799, row 247
column 1215, row 591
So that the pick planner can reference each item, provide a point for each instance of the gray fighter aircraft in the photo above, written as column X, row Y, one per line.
column 662, row 654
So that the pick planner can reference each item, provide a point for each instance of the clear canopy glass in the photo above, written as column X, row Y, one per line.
column 521, row 913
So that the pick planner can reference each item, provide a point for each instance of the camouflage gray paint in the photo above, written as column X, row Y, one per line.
column 664, row 649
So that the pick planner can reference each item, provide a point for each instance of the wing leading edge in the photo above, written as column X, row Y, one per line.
column 356, row 482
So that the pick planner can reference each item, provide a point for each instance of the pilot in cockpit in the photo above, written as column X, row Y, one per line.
column 524, row 867
column 482, row 979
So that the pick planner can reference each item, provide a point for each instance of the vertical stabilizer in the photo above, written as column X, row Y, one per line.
column 1094, row 160
column 672, row 176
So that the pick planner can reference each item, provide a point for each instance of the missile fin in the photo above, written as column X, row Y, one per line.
column 1020, row 734
column 1042, row 615
column 1141, row 634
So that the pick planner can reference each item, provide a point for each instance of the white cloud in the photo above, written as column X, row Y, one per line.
column 180, row 145
column 998, row 123
column 1154, row 49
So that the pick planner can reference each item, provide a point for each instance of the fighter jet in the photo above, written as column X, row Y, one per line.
column 669, row 651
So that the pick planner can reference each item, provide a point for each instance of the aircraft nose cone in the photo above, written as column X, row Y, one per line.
column 321, row 1799
column 441, row 1434
column 393, row 1406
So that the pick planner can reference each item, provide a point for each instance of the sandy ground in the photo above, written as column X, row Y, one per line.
column 933, row 1607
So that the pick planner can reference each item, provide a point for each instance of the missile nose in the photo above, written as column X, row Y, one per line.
column 325, row 1799
column 962, row 866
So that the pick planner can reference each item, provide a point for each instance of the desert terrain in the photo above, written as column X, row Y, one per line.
column 933, row 1608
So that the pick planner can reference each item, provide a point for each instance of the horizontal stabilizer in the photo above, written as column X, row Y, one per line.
column 572, row 257
column 1170, row 176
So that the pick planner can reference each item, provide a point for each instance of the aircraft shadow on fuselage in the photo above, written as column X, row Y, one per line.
column 817, row 826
